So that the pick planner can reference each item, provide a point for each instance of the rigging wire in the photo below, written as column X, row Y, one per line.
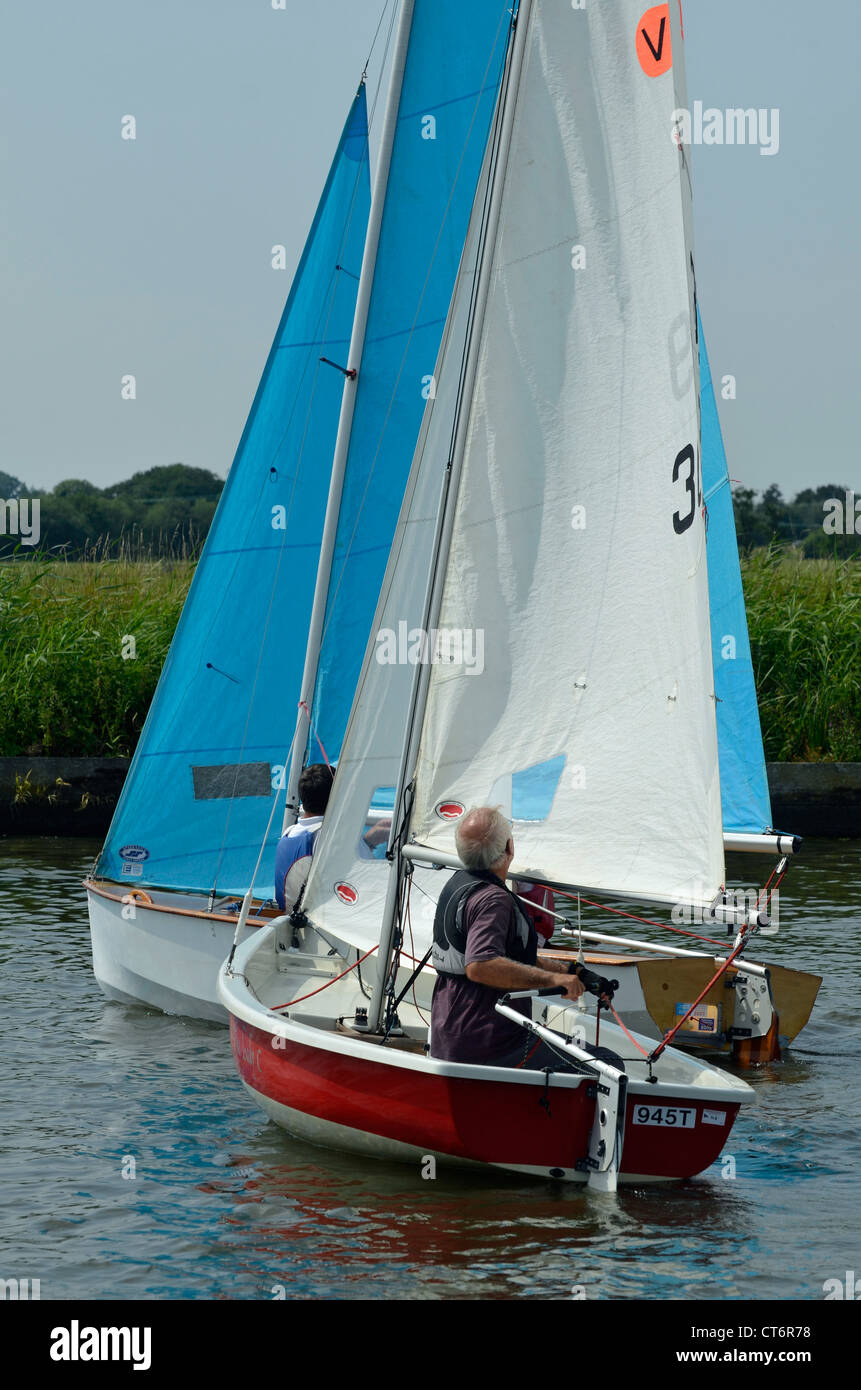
column 377, row 35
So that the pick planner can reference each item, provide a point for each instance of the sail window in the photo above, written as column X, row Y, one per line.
column 378, row 822
column 231, row 780
column 533, row 789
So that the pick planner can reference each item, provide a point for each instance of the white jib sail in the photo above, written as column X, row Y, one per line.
column 346, row 888
column 578, row 559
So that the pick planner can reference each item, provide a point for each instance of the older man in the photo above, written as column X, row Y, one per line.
column 485, row 945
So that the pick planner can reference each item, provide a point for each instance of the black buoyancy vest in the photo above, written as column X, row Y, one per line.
column 449, row 929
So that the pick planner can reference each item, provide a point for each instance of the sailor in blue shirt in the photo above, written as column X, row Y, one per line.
column 297, row 843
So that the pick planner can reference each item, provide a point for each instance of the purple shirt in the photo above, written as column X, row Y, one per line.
column 465, row 1026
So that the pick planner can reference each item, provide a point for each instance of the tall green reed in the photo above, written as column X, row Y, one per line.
column 804, row 618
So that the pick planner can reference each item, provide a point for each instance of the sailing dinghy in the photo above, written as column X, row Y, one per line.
column 211, row 763
column 559, row 394
column 346, row 380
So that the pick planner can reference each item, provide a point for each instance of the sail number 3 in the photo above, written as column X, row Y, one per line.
column 670, row 1116
column 686, row 468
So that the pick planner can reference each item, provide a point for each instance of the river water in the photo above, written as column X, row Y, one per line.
column 135, row 1166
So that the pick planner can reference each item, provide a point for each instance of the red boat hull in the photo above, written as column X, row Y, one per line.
column 504, row 1124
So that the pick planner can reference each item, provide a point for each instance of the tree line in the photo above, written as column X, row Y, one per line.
column 818, row 521
column 166, row 512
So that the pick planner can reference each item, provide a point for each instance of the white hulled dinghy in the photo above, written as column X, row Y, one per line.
column 554, row 392
column 310, row 504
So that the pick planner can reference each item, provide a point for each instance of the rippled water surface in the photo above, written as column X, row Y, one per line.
column 224, row 1205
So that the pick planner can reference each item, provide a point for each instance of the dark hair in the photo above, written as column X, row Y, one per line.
column 315, row 785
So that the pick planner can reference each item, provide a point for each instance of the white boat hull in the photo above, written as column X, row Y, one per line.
column 165, row 955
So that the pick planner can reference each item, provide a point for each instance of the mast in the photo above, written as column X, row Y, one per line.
column 445, row 518
column 348, row 405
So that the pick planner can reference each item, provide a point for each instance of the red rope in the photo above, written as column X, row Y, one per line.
column 303, row 997
column 700, row 997
column 627, row 1034
column 312, row 726
column 647, row 921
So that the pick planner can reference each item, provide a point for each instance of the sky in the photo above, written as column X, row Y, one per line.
column 153, row 256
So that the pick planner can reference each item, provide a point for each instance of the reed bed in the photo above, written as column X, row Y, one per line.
column 804, row 618
column 66, row 690
column 65, row 687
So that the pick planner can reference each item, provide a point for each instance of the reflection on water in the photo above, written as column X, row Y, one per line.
column 224, row 1205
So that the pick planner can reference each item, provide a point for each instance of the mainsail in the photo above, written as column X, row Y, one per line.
column 577, row 549
column 744, row 780
column 198, row 796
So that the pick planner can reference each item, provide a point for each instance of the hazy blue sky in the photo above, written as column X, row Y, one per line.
column 153, row 256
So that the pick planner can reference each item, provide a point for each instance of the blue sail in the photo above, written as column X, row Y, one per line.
column 743, row 779
column 200, row 790
column 451, row 80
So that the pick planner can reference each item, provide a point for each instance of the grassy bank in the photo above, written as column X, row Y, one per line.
column 66, row 689
column 804, row 618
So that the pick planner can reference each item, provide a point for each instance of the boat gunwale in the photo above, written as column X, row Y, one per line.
column 236, row 994
column 95, row 886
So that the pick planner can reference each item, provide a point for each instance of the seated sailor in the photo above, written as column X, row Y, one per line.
column 484, row 945
column 293, row 854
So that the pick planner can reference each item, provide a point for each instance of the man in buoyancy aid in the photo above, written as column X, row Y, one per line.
column 485, row 945
column 294, row 850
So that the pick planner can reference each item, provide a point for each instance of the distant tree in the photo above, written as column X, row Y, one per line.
column 164, row 511
column 775, row 514
column 170, row 480
column 11, row 487
column 797, row 523
column 749, row 525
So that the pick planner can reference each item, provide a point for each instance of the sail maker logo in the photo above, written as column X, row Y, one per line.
column 444, row 646
column 735, row 126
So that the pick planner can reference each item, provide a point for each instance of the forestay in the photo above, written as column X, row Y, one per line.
column 197, row 799
column 578, row 550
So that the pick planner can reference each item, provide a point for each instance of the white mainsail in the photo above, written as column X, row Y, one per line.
column 578, row 547
column 577, row 551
